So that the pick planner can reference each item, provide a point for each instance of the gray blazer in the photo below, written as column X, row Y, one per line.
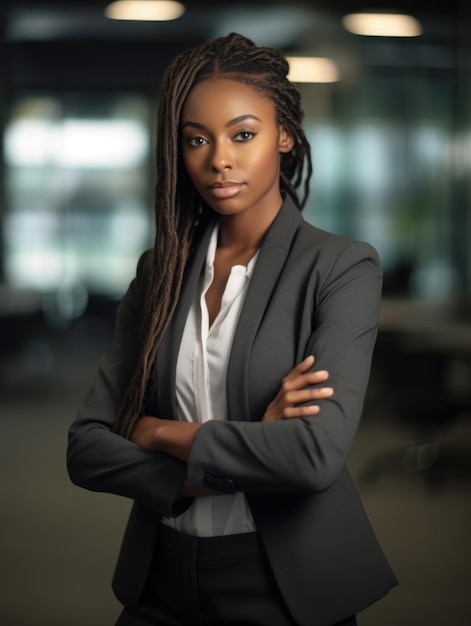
column 311, row 292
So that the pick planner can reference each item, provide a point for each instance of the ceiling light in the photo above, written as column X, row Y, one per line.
column 382, row 24
column 145, row 10
column 312, row 70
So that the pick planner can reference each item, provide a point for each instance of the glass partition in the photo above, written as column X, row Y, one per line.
column 77, row 186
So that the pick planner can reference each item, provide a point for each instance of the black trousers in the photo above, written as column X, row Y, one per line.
column 217, row 581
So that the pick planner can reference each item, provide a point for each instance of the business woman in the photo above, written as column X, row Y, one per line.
column 229, row 397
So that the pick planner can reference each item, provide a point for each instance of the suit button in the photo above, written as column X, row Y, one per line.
column 210, row 480
column 228, row 485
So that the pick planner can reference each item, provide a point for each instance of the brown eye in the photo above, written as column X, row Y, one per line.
column 244, row 135
column 196, row 141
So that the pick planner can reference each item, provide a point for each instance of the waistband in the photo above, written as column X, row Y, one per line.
column 208, row 548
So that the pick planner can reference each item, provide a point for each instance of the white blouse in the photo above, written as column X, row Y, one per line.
column 201, row 392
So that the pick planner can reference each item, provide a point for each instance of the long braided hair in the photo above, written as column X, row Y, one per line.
column 178, row 208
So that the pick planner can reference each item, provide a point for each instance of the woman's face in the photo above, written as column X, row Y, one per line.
column 231, row 145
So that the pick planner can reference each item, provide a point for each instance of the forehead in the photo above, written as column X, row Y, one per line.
column 225, row 98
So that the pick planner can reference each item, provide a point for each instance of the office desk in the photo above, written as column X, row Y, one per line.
column 421, row 379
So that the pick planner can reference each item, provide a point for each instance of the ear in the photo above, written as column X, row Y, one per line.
column 286, row 141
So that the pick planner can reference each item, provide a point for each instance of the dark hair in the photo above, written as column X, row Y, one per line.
column 178, row 208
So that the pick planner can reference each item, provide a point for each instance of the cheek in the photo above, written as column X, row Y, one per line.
column 191, row 166
column 186, row 160
column 266, row 159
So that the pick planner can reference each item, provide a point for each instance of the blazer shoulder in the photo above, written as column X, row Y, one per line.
column 144, row 263
column 143, row 271
column 331, row 246
column 134, row 297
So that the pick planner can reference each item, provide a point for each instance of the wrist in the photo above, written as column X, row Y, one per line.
column 176, row 438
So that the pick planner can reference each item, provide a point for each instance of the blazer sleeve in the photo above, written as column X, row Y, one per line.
column 305, row 455
column 98, row 458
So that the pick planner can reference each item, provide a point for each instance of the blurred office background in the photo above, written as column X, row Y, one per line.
column 390, row 127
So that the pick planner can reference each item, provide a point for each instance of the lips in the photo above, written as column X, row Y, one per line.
column 227, row 189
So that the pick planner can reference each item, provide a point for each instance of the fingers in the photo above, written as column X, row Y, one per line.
column 303, row 380
column 299, row 411
column 300, row 376
column 299, row 387
column 306, row 395
column 277, row 412
column 293, row 400
column 300, row 368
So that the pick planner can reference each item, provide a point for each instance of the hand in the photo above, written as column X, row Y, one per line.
column 161, row 435
column 144, row 432
column 295, row 390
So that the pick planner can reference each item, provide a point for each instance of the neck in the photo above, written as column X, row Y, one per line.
column 243, row 232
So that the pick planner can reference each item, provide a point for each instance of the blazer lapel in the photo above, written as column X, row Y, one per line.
column 271, row 260
column 167, row 354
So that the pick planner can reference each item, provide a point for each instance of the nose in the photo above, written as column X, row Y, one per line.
column 221, row 157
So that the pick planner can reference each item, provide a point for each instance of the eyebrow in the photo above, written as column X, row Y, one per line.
column 236, row 120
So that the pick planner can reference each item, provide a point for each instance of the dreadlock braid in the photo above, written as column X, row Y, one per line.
column 177, row 206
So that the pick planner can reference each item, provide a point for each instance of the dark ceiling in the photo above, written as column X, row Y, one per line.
column 70, row 44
